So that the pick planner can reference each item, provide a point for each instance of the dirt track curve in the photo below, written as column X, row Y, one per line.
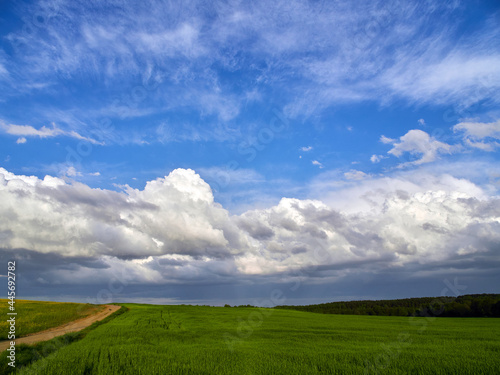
column 74, row 326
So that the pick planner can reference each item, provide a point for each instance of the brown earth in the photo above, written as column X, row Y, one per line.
column 74, row 326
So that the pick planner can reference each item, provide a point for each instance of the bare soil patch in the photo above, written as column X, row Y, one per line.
column 74, row 326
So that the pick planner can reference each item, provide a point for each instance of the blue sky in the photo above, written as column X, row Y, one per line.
column 383, row 114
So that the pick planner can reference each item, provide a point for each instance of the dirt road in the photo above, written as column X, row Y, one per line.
column 74, row 326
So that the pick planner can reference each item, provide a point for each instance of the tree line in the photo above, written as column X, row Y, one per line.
column 469, row 305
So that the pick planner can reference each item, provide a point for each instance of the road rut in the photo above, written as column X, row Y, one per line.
column 74, row 326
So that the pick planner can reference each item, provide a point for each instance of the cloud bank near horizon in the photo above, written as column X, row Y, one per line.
column 173, row 232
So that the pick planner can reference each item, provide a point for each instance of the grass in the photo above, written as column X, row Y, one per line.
column 35, row 316
column 151, row 339
column 28, row 354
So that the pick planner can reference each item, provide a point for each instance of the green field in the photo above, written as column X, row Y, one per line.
column 35, row 316
column 151, row 339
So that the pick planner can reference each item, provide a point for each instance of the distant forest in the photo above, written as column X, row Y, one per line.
column 470, row 305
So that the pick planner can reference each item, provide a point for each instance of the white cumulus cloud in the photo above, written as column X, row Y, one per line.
column 315, row 162
column 172, row 230
column 480, row 135
column 419, row 143
column 376, row 158
column 178, row 210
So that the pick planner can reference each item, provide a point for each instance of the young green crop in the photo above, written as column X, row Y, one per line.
column 35, row 316
column 150, row 339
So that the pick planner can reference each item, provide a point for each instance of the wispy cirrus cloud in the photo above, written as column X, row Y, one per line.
column 465, row 76
column 345, row 53
column 354, row 174
column 3, row 70
column 24, row 131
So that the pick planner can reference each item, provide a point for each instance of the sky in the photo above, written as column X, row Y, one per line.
column 235, row 151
